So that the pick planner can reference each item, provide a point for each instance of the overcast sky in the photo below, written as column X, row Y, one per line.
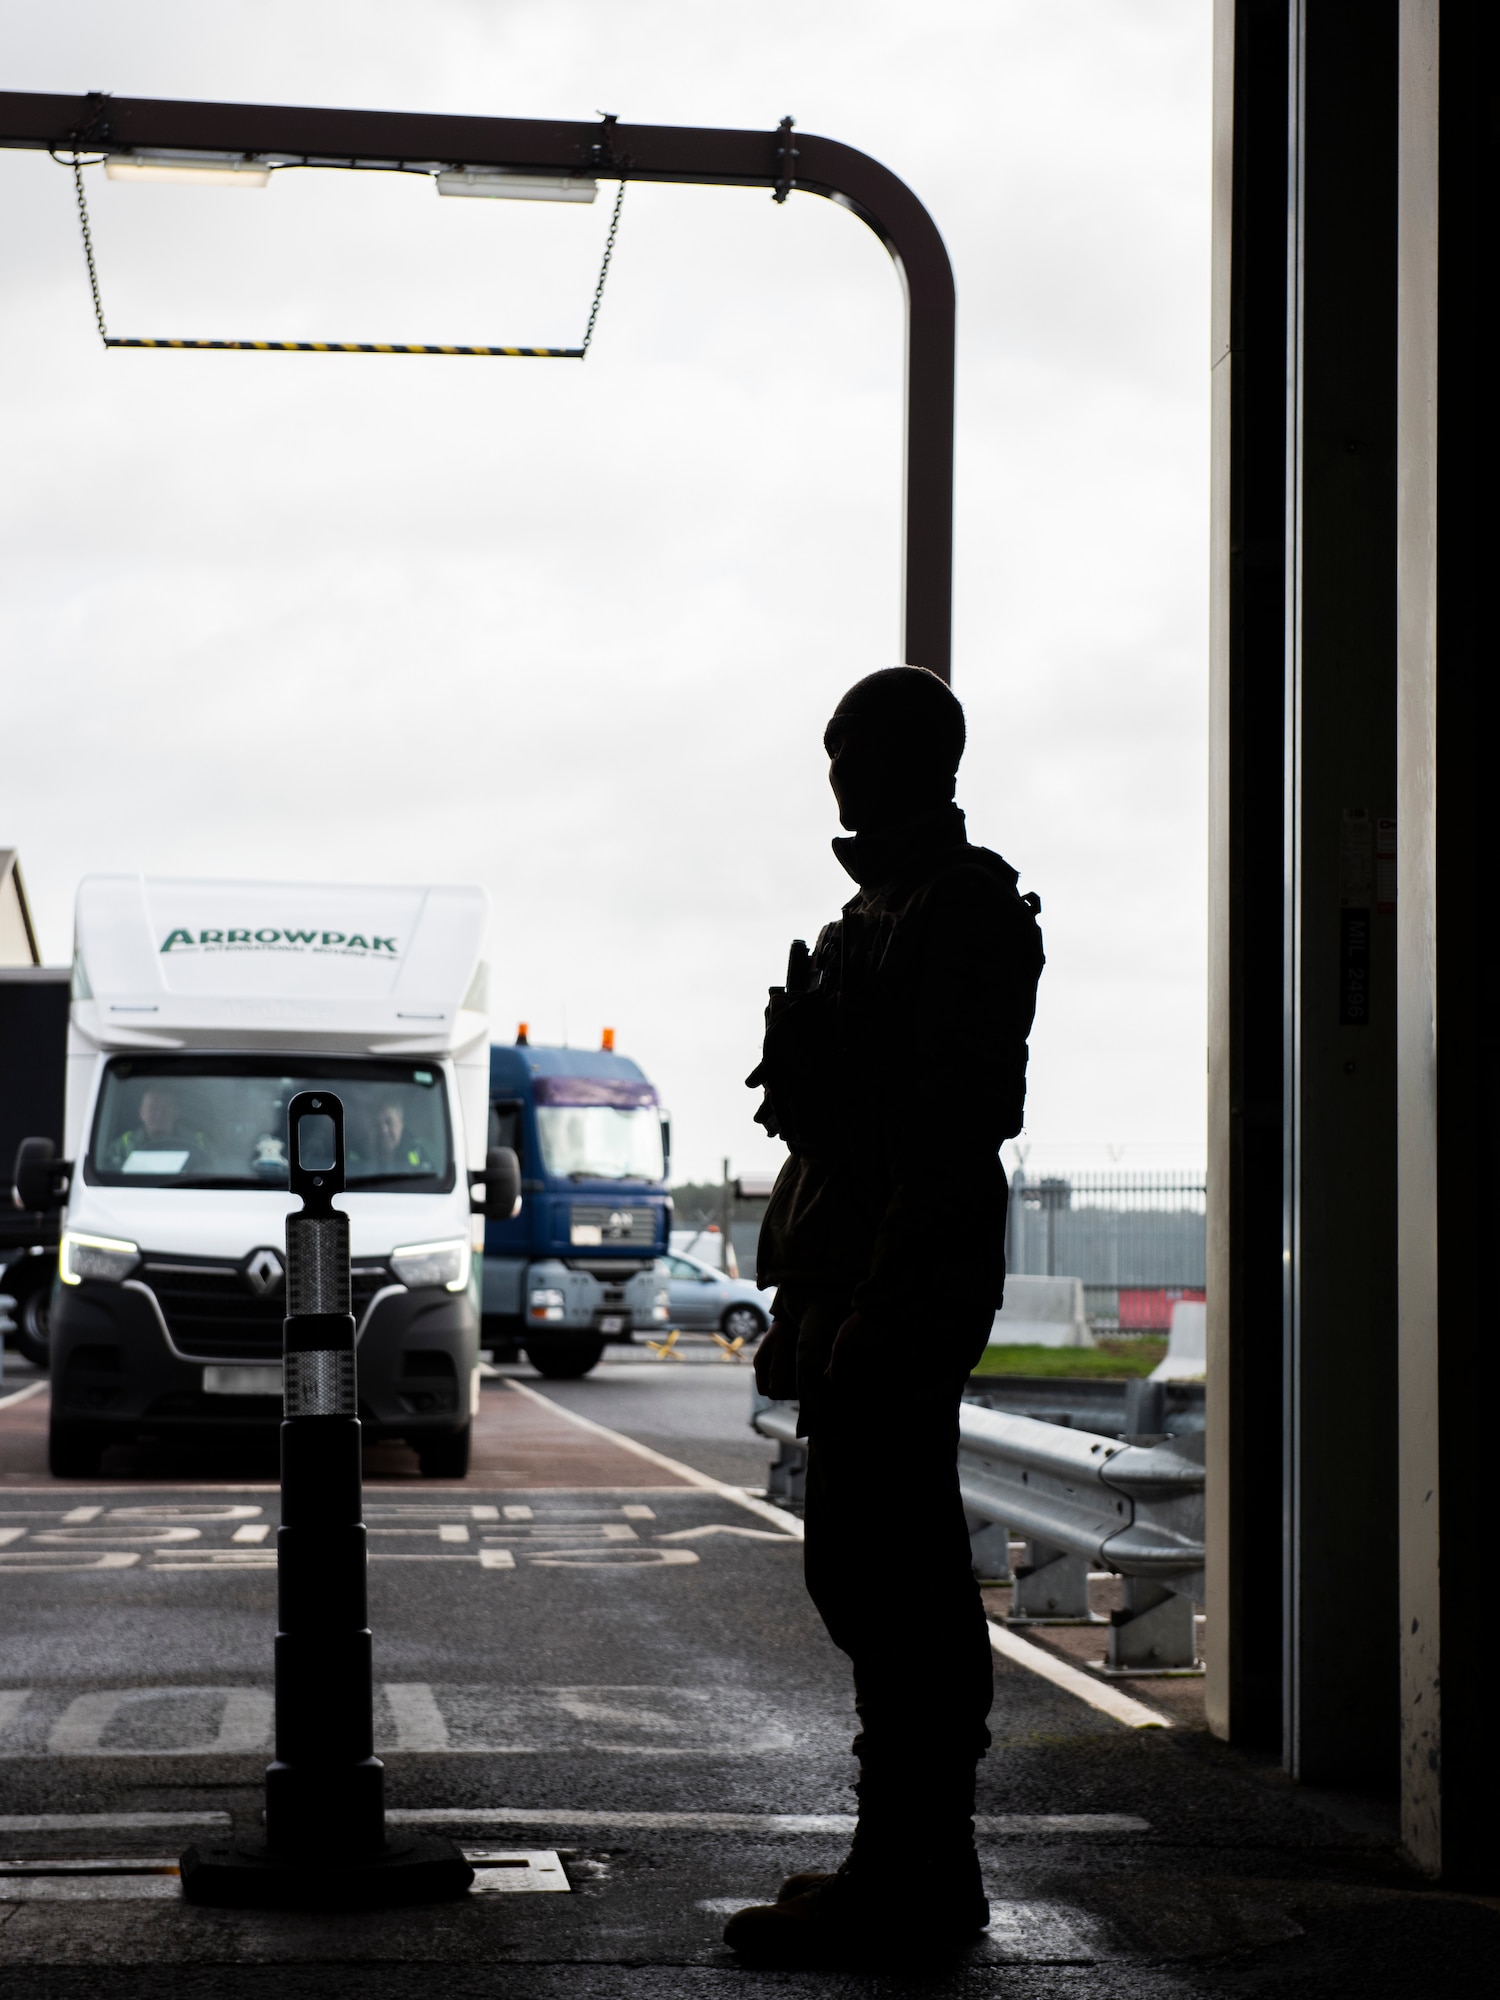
column 573, row 632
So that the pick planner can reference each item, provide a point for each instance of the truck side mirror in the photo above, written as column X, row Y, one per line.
column 41, row 1178
column 501, row 1183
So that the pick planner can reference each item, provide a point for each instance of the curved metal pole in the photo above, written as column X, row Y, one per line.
column 703, row 155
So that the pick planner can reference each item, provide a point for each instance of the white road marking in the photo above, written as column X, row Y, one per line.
column 418, row 1719
column 9, row 1535
column 78, row 1729
column 76, row 1516
column 496, row 1559
column 639, row 1513
column 546, row 1520
column 1042, row 1934
column 253, row 1531
column 453, row 1531
column 245, row 1722
column 788, row 1523
column 722, row 1528
column 47, row 1562
column 169, row 1561
column 12, row 1701
column 151, row 1538
column 658, row 1721
column 1098, row 1694
column 517, row 1513
column 722, row 1822
column 539, row 1532
column 20, row 1395
column 484, row 1513
column 196, row 1511
column 106, row 1822
column 613, row 1559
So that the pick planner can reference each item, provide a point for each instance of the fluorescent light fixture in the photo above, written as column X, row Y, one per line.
column 501, row 186
column 207, row 169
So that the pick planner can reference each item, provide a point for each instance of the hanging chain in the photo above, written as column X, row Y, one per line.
column 609, row 251
column 88, row 248
column 88, row 251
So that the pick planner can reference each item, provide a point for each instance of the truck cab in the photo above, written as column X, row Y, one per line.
column 199, row 1009
column 576, row 1267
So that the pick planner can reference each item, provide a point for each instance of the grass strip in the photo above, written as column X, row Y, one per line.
column 1116, row 1359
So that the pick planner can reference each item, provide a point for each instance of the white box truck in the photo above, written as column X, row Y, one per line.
column 199, row 1009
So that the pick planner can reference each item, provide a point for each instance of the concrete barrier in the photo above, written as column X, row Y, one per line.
column 1041, row 1312
column 1186, row 1358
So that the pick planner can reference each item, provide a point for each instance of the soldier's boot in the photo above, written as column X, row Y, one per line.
column 799, row 1884
column 927, row 1904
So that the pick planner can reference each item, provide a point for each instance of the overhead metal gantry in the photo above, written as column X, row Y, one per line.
column 692, row 155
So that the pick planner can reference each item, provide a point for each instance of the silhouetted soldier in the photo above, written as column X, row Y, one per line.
column 894, row 1067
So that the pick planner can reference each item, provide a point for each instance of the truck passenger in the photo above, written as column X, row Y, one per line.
column 395, row 1150
column 157, row 1129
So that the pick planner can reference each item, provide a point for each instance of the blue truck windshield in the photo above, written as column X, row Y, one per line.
column 220, row 1122
column 599, row 1128
column 603, row 1142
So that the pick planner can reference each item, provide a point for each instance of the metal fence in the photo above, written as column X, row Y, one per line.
column 1138, row 1239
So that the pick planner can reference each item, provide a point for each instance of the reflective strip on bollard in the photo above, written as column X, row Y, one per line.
column 320, row 1384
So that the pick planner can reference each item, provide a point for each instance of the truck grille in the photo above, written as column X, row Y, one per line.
column 212, row 1313
column 595, row 1224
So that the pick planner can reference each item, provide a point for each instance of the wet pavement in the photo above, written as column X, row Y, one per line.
column 597, row 1648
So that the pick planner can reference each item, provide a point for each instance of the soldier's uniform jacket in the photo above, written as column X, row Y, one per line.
column 894, row 1067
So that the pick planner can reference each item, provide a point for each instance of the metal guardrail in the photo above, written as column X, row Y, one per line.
column 1104, row 1405
column 1080, row 1501
column 1133, row 1508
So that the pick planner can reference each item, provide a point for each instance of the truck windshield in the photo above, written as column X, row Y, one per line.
column 599, row 1142
column 220, row 1122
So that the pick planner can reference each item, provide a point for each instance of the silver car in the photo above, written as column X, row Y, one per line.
column 701, row 1297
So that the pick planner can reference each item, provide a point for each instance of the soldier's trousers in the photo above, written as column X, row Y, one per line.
column 888, row 1567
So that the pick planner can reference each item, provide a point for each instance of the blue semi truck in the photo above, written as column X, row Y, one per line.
column 576, row 1266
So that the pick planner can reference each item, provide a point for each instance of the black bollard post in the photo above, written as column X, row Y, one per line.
column 325, row 1844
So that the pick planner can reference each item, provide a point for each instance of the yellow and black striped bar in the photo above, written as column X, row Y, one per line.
column 353, row 347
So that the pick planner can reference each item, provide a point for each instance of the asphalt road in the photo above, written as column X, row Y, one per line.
column 696, row 1410
column 581, row 1652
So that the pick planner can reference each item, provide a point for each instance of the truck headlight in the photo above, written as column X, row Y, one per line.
column 445, row 1264
column 81, row 1257
column 547, row 1304
column 663, row 1301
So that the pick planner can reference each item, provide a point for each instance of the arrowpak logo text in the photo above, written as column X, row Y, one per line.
column 269, row 939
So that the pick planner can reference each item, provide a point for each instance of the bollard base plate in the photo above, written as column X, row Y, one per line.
column 245, row 1875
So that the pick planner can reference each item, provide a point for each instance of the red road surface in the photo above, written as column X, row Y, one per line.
column 520, row 1441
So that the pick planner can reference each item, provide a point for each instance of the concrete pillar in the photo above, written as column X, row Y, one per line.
column 1449, row 1065
column 1339, row 1229
column 1302, row 1186
column 1247, row 706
